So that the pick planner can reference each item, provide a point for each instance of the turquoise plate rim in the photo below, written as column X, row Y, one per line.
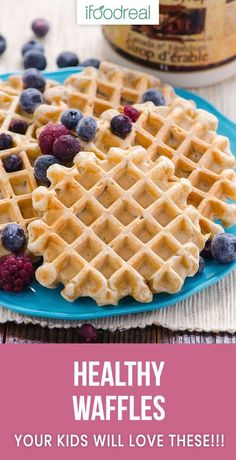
column 40, row 302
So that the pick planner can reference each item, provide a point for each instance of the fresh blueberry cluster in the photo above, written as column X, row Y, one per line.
column 34, row 84
column 33, row 51
column 58, row 145
column 221, row 248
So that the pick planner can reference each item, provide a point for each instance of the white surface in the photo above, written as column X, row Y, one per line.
column 213, row 309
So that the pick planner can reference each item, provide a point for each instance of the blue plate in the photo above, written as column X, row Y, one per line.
column 39, row 301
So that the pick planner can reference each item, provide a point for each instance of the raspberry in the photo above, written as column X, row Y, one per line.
column 131, row 112
column 49, row 134
column 16, row 272
column 88, row 334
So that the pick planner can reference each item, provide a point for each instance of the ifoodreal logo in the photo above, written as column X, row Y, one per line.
column 116, row 12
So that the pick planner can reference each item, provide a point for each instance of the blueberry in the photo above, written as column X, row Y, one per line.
column 35, row 59
column 66, row 147
column 41, row 166
column 32, row 78
column 70, row 118
column 206, row 252
column 13, row 237
column 155, row 96
column 121, row 126
column 87, row 128
column 91, row 63
column 40, row 27
column 32, row 45
column 30, row 99
column 3, row 44
column 67, row 59
column 202, row 266
column 12, row 163
column 6, row 141
column 18, row 126
column 223, row 248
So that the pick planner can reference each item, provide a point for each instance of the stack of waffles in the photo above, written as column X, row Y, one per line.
column 132, row 215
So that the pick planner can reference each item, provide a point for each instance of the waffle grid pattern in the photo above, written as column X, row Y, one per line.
column 115, row 228
column 96, row 91
column 187, row 137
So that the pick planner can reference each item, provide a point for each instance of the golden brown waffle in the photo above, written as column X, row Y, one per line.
column 115, row 228
column 16, row 189
column 10, row 110
column 94, row 91
column 187, row 136
column 10, row 91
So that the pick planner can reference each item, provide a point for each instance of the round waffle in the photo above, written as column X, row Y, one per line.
column 115, row 227
column 179, row 131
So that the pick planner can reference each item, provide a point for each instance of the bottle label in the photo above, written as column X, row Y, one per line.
column 192, row 35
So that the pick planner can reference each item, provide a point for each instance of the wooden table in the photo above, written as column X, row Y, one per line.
column 88, row 42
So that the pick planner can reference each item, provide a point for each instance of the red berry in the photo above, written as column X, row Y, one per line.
column 49, row 134
column 66, row 147
column 16, row 272
column 88, row 333
column 131, row 112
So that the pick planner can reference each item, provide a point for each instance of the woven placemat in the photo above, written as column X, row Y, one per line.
column 212, row 310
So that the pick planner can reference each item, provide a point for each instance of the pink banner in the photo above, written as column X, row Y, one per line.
column 81, row 401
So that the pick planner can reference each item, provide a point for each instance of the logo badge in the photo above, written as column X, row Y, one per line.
column 117, row 12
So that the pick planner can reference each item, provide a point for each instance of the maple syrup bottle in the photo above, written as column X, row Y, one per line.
column 193, row 45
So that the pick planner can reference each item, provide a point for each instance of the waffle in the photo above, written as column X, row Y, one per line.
column 187, row 136
column 115, row 227
column 10, row 91
column 94, row 91
column 16, row 189
column 180, row 131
